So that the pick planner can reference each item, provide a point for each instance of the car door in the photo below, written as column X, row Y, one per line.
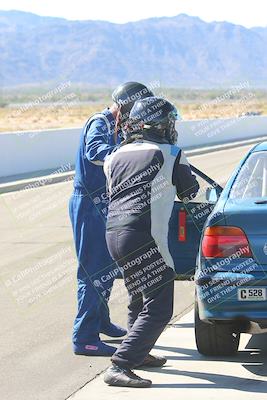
column 186, row 224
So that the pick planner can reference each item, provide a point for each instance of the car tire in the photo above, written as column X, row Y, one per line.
column 215, row 339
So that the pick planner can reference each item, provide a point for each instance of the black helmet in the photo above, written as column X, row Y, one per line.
column 153, row 115
column 126, row 94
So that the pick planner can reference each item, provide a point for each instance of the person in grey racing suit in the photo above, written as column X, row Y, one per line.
column 143, row 177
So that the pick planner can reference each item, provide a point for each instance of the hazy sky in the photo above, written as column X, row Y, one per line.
column 245, row 12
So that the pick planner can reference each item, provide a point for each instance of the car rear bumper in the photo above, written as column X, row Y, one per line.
column 217, row 297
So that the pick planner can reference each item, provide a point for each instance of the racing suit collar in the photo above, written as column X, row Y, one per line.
column 154, row 137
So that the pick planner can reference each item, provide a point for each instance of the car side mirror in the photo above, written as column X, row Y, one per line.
column 212, row 195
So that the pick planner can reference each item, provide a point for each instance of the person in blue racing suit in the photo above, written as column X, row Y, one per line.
column 143, row 177
column 87, row 209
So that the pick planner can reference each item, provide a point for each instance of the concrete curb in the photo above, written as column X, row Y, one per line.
column 31, row 183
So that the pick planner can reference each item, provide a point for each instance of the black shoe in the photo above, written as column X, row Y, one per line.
column 153, row 361
column 117, row 376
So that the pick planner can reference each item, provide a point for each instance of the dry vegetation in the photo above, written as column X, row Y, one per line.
column 18, row 115
column 13, row 119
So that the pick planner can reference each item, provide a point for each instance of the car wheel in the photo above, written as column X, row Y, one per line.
column 215, row 339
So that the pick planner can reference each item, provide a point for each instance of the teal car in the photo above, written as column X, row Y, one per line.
column 221, row 240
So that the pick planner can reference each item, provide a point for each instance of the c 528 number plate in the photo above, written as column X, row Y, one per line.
column 251, row 294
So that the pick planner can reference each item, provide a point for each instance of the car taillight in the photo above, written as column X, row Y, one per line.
column 225, row 241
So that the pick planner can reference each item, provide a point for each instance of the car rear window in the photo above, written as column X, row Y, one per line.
column 251, row 181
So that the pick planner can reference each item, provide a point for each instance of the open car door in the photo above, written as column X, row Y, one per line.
column 186, row 224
